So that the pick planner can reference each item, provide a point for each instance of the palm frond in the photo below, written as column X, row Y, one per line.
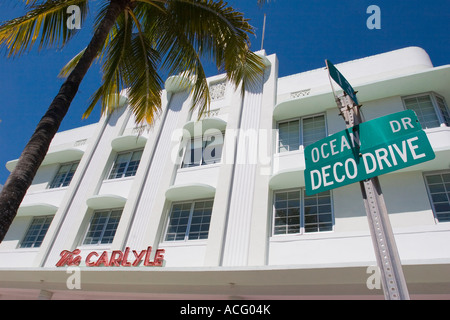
column 31, row 2
column 145, row 85
column 67, row 69
column 46, row 21
column 182, row 58
column 130, row 62
column 248, row 70
column 159, row 4
column 109, row 91
column 195, row 29
column 174, row 36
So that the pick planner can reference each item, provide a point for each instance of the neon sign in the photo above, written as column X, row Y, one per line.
column 116, row 258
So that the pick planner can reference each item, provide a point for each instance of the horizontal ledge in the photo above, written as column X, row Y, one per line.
column 105, row 201
column 128, row 142
column 177, row 83
column 60, row 156
column 190, row 191
column 288, row 178
column 37, row 209
column 198, row 128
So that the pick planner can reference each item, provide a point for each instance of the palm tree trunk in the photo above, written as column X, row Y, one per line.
column 34, row 153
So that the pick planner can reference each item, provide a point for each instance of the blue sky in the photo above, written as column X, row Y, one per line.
column 302, row 34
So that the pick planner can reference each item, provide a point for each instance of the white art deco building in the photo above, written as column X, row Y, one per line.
column 221, row 200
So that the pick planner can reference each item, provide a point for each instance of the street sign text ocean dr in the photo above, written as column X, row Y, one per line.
column 376, row 147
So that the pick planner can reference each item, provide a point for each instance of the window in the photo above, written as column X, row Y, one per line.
column 296, row 213
column 103, row 227
column 439, row 192
column 430, row 108
column 64, row 175
column 313, row 129
column 289, row 136
column 36, row 232
column 203, row 151
column 443, row 109
column 304, row 131
column 189, row 221
column 126, row 164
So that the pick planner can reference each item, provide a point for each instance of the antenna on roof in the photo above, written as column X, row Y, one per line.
column 263, row 32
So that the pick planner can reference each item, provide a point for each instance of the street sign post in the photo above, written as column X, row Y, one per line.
column 360, row 153
column 340, row 79
column 367, row 150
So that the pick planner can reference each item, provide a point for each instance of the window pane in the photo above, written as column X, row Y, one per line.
column 125, row 165
column 439, row 189
column 64, row 175
column 69, row 175
column 318, row 215
column 287, row 212
column 313, row 129
column 436, row 178
column 423, row 107
column 111, row 226
column 178, row 222
column 288, row 136
column 444, row 110
column 124, row 157
column 193, row 154
column 189, row 221
column 103, row 227
column 201, row 217
column 203, row 151
column 212, row 152
column 60, row 176
column 134, row 164
column 119, row 165
column 36, row 232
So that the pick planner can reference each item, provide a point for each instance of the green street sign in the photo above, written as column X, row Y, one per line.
column 341, row 81
column 370, row 149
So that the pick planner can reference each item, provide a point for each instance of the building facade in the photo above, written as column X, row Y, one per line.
column 215, row 206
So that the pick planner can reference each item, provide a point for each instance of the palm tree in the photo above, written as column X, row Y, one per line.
column 135, row 39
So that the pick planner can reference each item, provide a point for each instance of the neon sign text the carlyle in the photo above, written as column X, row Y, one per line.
column 117, row 258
